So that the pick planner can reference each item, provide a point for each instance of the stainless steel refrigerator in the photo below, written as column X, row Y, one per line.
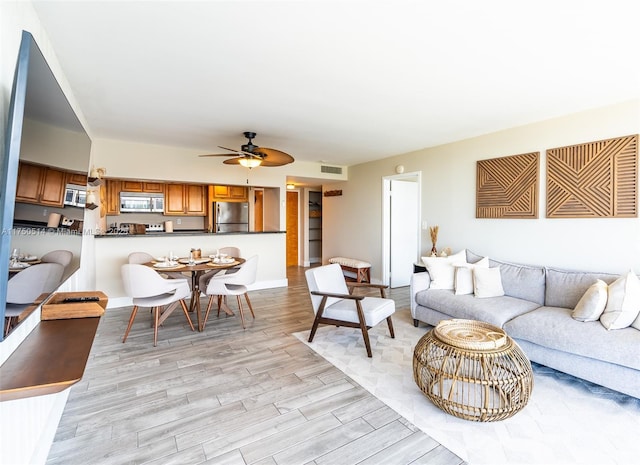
column 230, row 217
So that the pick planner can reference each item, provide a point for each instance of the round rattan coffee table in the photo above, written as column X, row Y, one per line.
column 472, row 370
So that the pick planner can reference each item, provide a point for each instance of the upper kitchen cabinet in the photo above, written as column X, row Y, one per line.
column 185, row 199
column 40, row 185
column 142, row 186
column 111, row 202
column 77, row 179
column 229, row 193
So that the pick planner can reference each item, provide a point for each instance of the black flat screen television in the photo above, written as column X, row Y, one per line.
column 44, row 133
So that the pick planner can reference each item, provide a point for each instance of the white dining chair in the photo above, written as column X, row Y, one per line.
column 141, row 258
column 25, row 287
column 204, row 278
column 63, row 257
column 224, row 285
column 148, row 289
column 333, row 304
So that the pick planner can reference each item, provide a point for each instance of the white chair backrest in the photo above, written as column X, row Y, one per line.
column 231, row 251
column 139, row 258
column 246, row 274
column 27, row 285
column 327, row 278
column 141, row 281
column 63, row 257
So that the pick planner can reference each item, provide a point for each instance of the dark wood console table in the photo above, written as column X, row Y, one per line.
column 51, row 358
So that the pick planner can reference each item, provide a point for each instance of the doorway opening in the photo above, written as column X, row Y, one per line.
column 292, row 228
column 401, row 227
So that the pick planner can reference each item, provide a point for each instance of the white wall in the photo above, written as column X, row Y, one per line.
column 353, row 220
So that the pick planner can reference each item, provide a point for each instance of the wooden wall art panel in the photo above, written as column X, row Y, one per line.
column 594, row 180
column 507, row 187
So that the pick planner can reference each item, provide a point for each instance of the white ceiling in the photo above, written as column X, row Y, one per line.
column 341, row 82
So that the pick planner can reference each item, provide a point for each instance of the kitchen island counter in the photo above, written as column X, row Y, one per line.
column 112, row 254
column 186, row 233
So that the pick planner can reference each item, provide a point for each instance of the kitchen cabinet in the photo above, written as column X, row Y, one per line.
column 40, row 185
column 230, row 193
column 185, row 199
column 142, row 186
column 112, row 197
column 77, row 179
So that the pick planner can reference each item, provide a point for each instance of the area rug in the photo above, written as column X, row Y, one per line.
column 567, row 420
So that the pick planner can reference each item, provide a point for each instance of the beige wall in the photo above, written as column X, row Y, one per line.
column 353, row 221
column 124, row 159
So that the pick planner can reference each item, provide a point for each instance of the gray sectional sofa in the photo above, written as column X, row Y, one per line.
column 536, row 312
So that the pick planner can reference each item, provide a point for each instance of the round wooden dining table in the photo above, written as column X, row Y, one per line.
column 196, row 271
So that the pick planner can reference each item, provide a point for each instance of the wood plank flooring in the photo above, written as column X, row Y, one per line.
column 230, row 396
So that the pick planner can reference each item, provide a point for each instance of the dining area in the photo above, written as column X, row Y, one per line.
column 165, row 283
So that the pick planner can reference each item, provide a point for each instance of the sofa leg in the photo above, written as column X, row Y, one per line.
column 416, row 322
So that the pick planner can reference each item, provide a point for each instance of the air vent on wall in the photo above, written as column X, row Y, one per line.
column 331, row 169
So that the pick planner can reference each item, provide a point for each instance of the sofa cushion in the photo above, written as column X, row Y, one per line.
column 592, row 303
column 553, row 327
column 487, row 283
column 441, row 269
column 464, row 275
column 623, row 302
column 566, row 287
column 493, row 310
column 522, row 281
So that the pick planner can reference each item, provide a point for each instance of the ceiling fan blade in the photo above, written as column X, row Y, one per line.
column 219, row 155
column 273, row 157
column 230, row 150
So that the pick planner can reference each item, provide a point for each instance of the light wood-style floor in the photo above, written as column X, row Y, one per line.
column 230, row 396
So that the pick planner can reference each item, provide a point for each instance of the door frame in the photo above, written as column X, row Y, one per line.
column 386, row 219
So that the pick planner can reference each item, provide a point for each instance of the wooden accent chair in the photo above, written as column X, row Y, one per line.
column 148, row 289
column 334, row 304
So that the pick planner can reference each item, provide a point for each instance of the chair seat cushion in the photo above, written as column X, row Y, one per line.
column 375, row 310
column 350, row 262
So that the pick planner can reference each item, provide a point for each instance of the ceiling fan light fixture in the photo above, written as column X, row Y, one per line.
column 250, row 162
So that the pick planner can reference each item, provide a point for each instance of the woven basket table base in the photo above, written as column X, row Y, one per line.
column 472, row 370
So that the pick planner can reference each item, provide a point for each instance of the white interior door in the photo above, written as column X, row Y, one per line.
column 404, row 231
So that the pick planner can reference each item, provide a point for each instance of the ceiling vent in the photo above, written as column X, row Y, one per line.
column 331, row 169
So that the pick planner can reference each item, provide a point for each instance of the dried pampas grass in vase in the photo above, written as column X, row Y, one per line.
column 433, row 232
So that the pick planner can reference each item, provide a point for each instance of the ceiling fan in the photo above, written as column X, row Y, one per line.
column 251, row 155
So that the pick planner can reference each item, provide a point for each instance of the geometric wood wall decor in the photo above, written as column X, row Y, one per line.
column 507, row 187
column 594, row 180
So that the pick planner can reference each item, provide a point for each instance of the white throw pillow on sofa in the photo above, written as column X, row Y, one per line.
column 441, row 270
column 592, row 303
column 623, row 302
column 487, row 282
column 464, row 276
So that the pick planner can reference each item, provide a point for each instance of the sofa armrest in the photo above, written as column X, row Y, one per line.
column 419, row 282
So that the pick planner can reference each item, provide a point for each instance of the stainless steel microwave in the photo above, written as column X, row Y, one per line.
column 75, row 196
column 141, row 202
